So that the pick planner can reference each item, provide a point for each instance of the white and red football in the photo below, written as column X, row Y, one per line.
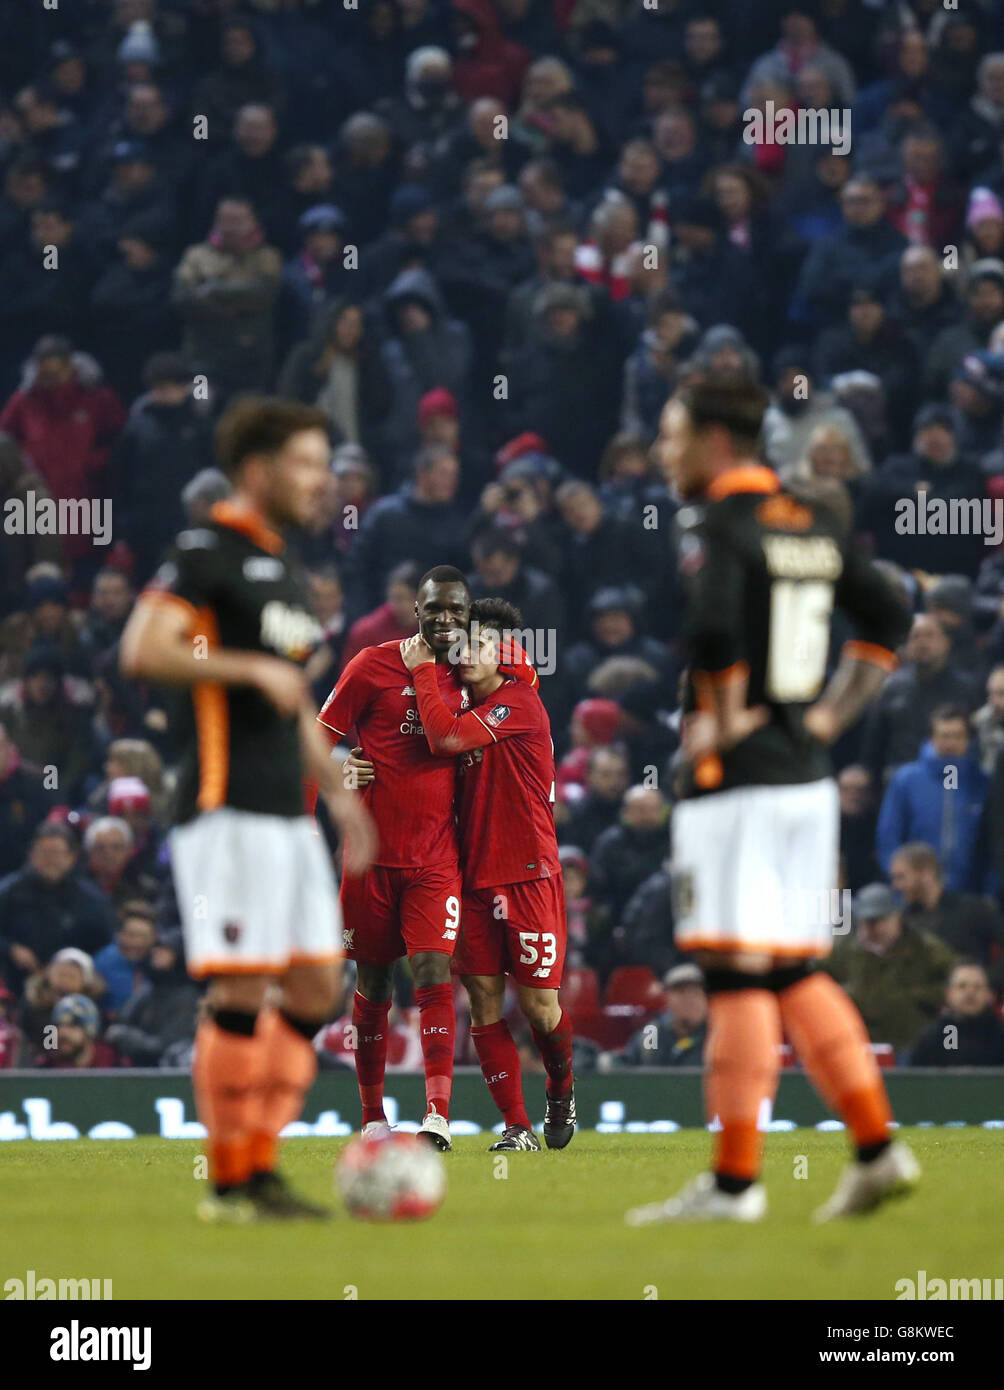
column 394, row 1178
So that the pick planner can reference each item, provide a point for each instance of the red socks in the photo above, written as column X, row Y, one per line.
column 499, row 1058
column 556, row 1051
column 370, row 1022
column 437, row 1022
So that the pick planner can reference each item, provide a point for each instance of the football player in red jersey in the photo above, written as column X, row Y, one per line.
column 408, row 902
column 513, row 901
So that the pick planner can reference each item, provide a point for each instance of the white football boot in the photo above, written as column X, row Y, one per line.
column 436, row 1131
column 376, row 1129
column 701, row 1200
column 865, row 1186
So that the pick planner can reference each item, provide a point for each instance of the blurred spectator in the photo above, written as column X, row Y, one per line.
column 166, row 440
column 939, row 800
column 895, row 974
column 201, row 494
column 984, row 309
column 970, row 925
column 500, row 571
column 161, row 1013
column 44, row 906
column 677, row 1037
column 68, row 972
column 607, row 780
column 65, row 421
column 393, row 621
column 627, row 853
column 77, row 1024
column 339, row 368
column 115, row 863
column 122, row 962
column 900, row 718
column 425, row 348
column 48, row 720
column 316, row 273
column 131, row 302
column 798, row 409
column 420, row 523
column 24, row 802
column 923, row 301
column 21, row 486
column 858, row 816
column 644, row 934
column 865, row 249
column 586, row 920
column 932, row 474
column 988, row 721
column 328, row 602
column 11, row 1038
column 968, row 1033
column 225, row 290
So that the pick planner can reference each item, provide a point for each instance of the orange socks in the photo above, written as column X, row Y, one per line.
column 827, row 1032
column 226, row 1076
column 248, row 1087
column 743, row 1065
column 290, row 1065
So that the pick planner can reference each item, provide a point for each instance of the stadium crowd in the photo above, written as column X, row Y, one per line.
column 488, row 238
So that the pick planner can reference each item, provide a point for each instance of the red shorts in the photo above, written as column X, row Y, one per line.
column 518, row 930
column 390, row 913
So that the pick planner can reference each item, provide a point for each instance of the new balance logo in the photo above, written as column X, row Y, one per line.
column 408, row 690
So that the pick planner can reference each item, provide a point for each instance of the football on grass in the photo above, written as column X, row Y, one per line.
column 396, row 1178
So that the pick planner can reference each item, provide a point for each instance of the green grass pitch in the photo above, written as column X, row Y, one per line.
column 552, row 1229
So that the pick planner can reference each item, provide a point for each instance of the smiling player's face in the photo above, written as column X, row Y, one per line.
column 444, row 612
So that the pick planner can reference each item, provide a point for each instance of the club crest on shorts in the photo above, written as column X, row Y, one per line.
column 231, row 933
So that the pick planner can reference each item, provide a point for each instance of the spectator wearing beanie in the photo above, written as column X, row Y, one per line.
column 315, row 273
column 78, row 1024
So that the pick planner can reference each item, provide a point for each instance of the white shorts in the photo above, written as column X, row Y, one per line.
column 256, row 893
column 756, row 869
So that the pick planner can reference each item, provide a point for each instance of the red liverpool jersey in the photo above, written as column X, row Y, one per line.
column 506, row 786
column 411, row 798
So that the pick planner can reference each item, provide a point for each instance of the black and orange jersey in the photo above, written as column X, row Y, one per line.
column 763, row 570
column 240, row 588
